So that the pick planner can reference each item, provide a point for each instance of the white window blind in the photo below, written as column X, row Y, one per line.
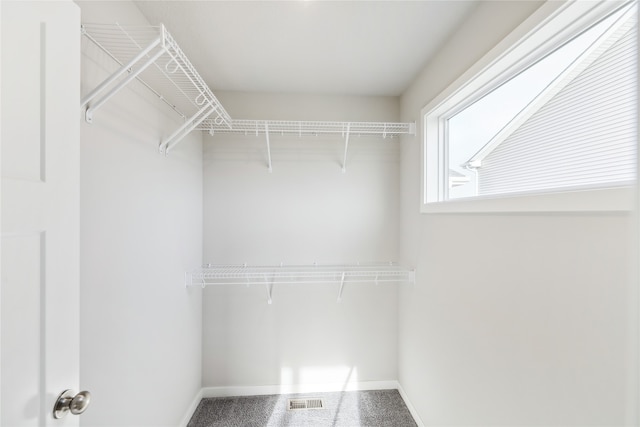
column 583, row 136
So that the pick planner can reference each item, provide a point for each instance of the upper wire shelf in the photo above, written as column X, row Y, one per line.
column 151, row 55
column 308, row 128
column 269, row 275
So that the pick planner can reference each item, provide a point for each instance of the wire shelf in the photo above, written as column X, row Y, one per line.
column 151, row 55
column 269, row 275
column 266, row 128
column 308, row 128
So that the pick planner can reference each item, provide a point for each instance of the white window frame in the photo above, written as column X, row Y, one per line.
column 547, row 28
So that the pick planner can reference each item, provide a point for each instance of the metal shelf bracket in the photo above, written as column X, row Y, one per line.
column 341, row 287
column 266, row 134
column 186, row 128
column 128, row 67
column 269, row 287
column 346, row 147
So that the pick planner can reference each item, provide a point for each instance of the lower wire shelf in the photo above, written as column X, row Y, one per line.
column 265, row 275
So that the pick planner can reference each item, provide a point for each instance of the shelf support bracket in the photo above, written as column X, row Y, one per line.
column 186, row 127
column 341, row 287
column 88, row 115
column 346, row 147
column 118, row 73
column 269, row 287
column 412, row 277
column 266, row 134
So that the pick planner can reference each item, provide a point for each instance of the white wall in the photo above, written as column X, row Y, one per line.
column 141, row 229
column 305, row 211
column 520, row 319
column 531, row 325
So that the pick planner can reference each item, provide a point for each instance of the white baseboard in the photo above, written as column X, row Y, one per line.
column 192, row 409
column 410, row 406
column 296, row 388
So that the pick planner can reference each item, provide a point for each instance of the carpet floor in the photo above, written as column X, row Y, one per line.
column 373, row 408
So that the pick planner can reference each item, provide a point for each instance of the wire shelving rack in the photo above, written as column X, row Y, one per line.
column 269, row 275
column 308, row 128
column 151, row 55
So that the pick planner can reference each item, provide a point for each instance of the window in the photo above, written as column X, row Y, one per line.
column 556, row 116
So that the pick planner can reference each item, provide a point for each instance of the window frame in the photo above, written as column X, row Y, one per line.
column 545, row 30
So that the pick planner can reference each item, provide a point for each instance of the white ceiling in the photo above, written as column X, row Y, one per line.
column 320, row 47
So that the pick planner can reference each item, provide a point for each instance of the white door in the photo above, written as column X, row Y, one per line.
column 39, row 297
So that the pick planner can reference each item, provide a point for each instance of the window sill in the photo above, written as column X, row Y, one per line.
column 621, row 199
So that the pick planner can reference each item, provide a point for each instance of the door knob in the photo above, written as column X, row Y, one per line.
column 67, row 402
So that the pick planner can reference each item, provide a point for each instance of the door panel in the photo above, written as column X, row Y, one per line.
column 22, row 373
column 39, row 263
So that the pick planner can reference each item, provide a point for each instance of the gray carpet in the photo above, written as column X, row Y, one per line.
column 376, row 408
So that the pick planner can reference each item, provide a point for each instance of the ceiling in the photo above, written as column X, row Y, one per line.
column 319, row 47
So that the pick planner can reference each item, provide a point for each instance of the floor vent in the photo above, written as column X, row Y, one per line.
column 301, row 404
